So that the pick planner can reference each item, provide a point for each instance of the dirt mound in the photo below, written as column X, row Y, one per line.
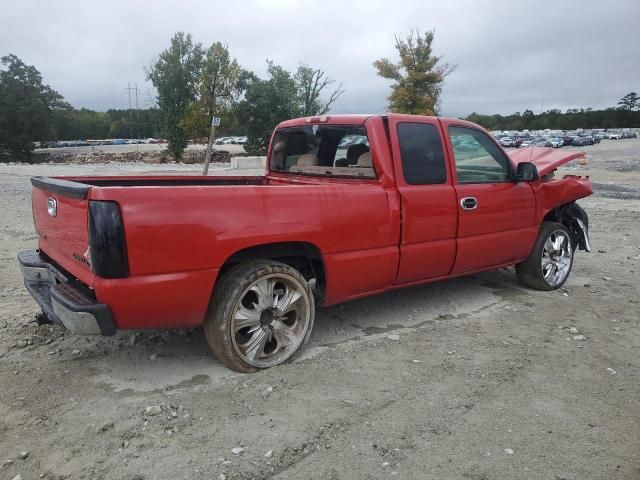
column 190, row 156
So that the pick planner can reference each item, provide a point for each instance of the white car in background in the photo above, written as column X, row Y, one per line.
column 556, row 142
column 507, row 142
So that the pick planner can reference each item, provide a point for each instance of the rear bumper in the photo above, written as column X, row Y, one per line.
column 63, row 300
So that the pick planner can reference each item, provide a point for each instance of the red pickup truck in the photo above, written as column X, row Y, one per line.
column 351, row 205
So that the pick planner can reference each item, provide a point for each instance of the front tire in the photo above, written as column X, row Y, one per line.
column 261, row 315
column 548, row 265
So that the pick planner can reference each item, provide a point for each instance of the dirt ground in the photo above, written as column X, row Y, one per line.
column 473, row 378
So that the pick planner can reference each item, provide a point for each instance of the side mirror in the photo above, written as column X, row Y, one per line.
column 526, row 172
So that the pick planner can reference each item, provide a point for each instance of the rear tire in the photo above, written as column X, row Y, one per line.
column 261, row 315
column 549, row 264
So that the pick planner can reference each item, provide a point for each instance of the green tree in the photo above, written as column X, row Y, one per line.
column 266, row 103
column 26, row 107
column 418, row 76
column 629, row 102
column 311, row 83
column 175, row 75
column 219, row 88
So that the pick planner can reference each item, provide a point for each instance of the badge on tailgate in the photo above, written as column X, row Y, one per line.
column 52, row 206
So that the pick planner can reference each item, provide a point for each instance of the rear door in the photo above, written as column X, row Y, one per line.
column 429, row 212
column 496, row 214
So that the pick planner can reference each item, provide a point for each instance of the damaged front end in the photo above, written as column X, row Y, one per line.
column 556, row 197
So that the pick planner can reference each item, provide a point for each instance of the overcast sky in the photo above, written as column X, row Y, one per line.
column 510, row 55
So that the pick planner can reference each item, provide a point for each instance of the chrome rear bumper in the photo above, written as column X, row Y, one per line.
column 62, row 299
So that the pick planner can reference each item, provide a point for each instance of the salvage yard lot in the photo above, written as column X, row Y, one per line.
column 473, row 378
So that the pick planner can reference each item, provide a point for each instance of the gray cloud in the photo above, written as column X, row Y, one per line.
column 510, row 55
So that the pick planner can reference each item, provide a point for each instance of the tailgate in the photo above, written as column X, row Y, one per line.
column 60, row 214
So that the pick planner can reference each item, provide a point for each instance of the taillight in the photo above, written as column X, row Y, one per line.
column 107, row 247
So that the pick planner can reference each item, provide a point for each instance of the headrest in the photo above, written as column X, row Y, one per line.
column 279, row 146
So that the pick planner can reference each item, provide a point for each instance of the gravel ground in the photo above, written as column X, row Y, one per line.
column 473, row 378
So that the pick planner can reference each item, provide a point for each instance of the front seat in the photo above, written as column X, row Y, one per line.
column 308, row 160
column 365, row 161
column 354, row 152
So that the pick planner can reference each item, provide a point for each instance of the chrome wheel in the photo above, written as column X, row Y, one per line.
column 270, row 320
column 557, row 255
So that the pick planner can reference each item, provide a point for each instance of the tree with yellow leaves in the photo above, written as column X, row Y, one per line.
column 418, row 76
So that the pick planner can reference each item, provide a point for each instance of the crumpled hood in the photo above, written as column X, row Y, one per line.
column 546, row 159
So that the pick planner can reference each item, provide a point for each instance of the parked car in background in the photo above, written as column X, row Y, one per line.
column 614, row 135
column 556, row 142
column 578, row 141
column 542, row 142
column 628, row 134
column 507, row 142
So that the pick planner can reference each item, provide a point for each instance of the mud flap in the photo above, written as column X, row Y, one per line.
column 576, row 219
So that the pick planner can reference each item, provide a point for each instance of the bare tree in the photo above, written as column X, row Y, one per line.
column 311, row 83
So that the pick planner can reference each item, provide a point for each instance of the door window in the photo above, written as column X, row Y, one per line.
column 477, row 158
column 421, row 153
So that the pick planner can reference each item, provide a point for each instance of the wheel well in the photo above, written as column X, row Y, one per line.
column 560, row 214
column 553, row 215
column 568, row 215
column 303, row 256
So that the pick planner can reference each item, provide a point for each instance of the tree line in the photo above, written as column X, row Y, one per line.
column 83, row 124
column 613, row 117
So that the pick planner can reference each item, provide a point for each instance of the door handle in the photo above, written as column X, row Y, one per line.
column 469, row 203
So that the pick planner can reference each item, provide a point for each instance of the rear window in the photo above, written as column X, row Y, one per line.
column 325, row 150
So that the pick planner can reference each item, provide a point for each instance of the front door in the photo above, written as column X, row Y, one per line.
column 496, row 214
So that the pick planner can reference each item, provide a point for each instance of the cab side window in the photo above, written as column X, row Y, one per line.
column 477, row 158
column 421, row 154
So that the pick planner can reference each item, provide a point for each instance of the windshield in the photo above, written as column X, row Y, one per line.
column 327, row 150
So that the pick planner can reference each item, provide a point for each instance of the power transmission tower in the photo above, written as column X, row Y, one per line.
column 130, row 122
column 137, row 111
column 135, row 89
